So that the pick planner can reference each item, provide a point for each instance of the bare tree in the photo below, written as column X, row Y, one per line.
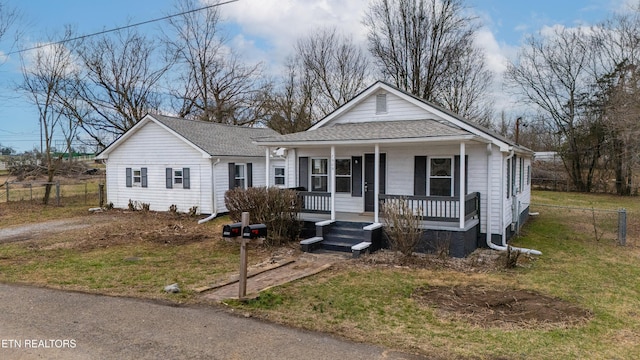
column 337, row 68
column 426, row 48
column 8, row 17
column 44, row 77
column 467, row 88
column 290, row 105
column 552, row 74
column 118, row 85
column 617, row 41
column 213, row 84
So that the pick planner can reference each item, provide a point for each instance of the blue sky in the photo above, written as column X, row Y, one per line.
column 264, row 30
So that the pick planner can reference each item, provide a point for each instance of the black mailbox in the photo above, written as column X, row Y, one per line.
column 254, row 231
column 232, row 230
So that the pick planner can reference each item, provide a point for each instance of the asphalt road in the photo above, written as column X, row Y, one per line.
column 37, row 323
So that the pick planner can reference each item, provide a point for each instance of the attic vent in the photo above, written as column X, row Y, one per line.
column 381, row 103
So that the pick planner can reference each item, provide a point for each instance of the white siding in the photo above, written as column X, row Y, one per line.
column 400, row 173
column 156, row 149
column 273, row 163
column 397, row 109
column 221, row 177
column 497, row 194
column 522, row 197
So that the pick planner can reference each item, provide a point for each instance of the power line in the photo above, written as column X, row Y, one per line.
column 121, row 27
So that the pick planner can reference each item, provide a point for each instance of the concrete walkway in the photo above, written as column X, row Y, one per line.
column 37, row 323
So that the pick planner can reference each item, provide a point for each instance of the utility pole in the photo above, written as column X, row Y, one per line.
column 518, row 129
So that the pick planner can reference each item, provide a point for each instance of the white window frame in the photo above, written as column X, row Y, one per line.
column 276, row 176
column 178, row 179
column 313, row 175
column 338, row 176
column 243, row 177
column 136, row 180
column 450, row 177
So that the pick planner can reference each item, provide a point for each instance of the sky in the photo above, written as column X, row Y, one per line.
column 266, row 30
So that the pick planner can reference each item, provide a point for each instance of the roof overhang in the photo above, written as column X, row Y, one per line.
column 379, row 85
column 315, row 143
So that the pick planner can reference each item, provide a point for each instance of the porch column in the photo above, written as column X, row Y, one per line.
column 266, row 165
column 462, row 183
column 376, row 184
column 332, row 177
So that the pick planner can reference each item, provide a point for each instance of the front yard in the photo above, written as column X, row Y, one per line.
column 376, row 299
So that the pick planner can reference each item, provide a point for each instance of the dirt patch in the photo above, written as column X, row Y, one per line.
column 501, row 308
column 480, row 261
column 483, row 306
column 124, row 227
column 111, row 228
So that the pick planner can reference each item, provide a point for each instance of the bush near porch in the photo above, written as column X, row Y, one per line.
column 274, row 207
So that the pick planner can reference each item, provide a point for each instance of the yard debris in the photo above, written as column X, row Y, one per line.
column 173, row 288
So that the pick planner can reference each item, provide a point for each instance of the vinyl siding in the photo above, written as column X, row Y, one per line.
column 397, row 109
column 400, row 168
column 156, row 149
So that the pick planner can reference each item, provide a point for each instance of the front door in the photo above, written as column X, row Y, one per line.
column 369, row 176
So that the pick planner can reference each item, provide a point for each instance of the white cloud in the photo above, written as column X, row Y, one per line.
column 273, row 26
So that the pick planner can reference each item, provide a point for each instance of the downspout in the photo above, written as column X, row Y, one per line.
column 490, row 244
column 213, row 195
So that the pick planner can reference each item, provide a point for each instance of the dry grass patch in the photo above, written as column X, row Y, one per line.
column 127, row 254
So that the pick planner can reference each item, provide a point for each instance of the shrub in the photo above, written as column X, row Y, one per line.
column 402, row 225
column 193, row 211
column 276, row 208
column 173, row 208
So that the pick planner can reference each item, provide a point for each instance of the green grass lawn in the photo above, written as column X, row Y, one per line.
column 360, row 301
column 375, row 305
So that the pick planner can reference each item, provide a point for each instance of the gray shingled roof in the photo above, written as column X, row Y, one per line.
column 381, row 130
column 218, row 139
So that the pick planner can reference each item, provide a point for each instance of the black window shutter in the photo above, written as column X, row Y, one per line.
column 143, row 176
column 456, row 175
column 232, row 175
column 129, row 179
column 186, row 178
column 383, row 170
column 249, row 175
column 356, row 176
column 420, row 176
column 169, row 177
column 303, row 172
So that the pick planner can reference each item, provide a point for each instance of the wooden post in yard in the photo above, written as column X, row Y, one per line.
column 242, row 282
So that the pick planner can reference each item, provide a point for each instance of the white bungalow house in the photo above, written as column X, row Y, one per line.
column 166, row 161
column 472, row 185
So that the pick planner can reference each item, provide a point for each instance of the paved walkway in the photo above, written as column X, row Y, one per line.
column 37, row 323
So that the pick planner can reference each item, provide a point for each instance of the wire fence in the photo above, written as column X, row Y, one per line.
column 88, row 192
column 616, row 226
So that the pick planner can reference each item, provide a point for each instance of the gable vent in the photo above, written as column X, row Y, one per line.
column 381, row 103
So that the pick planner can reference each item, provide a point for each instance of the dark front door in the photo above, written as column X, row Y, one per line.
column 369, row 176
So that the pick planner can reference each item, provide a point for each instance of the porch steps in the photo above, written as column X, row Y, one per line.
column 338, row 236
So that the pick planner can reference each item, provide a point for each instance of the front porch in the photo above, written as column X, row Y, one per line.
column 435, row 212
column 349, row 231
